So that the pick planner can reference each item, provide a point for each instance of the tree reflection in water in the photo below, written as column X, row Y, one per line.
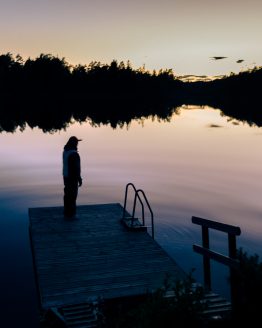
column 49, row 93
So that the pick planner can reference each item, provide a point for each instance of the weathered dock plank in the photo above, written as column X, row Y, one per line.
column 94, row 256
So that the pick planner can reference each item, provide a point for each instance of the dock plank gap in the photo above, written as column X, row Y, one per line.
column 94, row 256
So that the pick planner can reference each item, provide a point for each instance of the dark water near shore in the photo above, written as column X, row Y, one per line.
column 200, row 163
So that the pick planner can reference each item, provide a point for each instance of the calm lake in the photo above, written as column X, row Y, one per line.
column 200, row 163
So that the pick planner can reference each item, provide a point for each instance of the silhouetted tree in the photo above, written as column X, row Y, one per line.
column 47, row 92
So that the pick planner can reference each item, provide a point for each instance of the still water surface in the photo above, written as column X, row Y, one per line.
column 200, row 163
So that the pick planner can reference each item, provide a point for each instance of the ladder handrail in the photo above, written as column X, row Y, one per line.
column 127, row 186
column 134, row 205
column 151, row 212
column 137, row 191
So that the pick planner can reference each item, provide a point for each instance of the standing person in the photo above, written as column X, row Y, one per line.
column 72, row 176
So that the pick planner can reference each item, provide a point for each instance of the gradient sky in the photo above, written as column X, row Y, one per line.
column 177, row 34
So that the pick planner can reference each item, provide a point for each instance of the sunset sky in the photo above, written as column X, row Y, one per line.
column 178, row 34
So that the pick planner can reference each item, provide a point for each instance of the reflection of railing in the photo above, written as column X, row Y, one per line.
column 132, row 218
column 230, row 260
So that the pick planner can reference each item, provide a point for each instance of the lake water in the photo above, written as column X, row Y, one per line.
column 199, row 164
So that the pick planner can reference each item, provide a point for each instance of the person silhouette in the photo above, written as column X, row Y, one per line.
column 71, row 175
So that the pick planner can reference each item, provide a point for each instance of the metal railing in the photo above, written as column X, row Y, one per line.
column 137, row 196
column 230, row 260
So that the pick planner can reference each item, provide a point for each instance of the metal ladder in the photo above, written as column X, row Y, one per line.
column 130, row 221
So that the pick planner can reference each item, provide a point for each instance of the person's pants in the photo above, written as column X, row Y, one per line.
column 70, row 196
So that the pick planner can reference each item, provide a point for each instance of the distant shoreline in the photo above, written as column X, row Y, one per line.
column 33, row 91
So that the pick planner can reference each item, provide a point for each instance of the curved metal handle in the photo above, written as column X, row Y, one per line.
column 151, row 212
column 142, row 205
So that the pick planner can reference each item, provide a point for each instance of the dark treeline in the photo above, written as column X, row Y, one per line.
column 48, row 93
column 237, row 95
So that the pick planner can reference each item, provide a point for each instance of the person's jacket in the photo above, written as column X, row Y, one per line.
column 71, row 164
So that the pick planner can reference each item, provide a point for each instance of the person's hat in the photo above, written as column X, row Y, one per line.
column 74, row 139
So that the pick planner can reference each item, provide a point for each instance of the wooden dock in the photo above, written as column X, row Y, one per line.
column 94, row 256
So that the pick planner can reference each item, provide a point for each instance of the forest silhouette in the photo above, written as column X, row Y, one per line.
column 49, row 93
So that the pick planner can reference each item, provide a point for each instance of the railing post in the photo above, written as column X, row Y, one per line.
column 230, row 260
column 232, row 248
column 206, row 260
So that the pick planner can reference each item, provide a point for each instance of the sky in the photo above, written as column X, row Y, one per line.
column 182, row 35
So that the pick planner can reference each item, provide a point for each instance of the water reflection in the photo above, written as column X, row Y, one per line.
column 187, row 166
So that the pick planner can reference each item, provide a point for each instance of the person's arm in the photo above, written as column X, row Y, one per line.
column 75, row 167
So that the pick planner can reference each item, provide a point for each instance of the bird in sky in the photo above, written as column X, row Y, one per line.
column 218, row 57
column 240, row 61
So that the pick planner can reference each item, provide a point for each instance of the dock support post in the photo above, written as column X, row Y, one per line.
column 232, row 248
column 206, row 260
